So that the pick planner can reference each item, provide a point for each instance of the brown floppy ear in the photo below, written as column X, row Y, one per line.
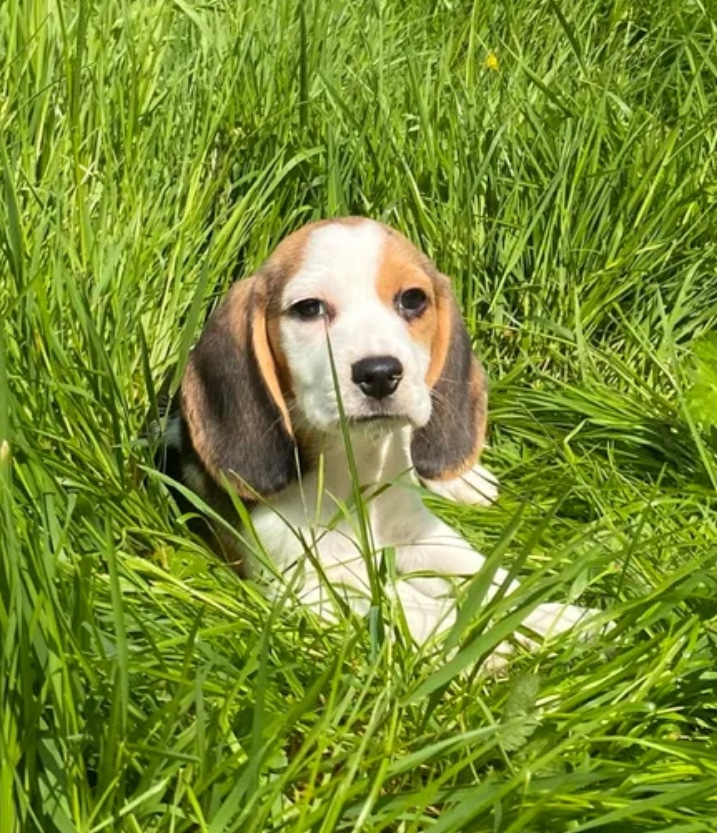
column 449, row 444
column 231, row 399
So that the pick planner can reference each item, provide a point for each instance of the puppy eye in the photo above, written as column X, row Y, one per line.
column 310, row 308
column 412, row 302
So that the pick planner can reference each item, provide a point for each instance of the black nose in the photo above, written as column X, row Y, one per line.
column 377, row 376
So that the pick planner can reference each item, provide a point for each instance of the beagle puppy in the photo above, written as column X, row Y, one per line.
column 346, row 350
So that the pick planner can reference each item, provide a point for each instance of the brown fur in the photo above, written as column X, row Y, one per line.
column 403, row 267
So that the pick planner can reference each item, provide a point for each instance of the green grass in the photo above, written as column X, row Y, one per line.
column 151, row 153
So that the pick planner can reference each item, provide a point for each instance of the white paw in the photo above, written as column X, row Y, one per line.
column 545, row 621
column 476, row 487
column 497, row 662
column 427, row 615
column 553, row 618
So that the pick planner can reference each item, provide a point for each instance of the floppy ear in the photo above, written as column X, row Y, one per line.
column 449, row 444
column 231, row 399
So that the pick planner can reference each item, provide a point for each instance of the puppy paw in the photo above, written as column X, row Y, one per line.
column 476, row 487
column 497, row 663
column 427, row 609
column 553, row 618
column 546, row 621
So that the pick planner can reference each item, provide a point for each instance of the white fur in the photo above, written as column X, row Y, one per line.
column 339, row 267
column 430, row 557
column 477, row 486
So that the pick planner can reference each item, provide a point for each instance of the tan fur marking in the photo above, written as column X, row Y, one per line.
column 442, row 335
column 273, row 331
column 265, row 359
column 402, row 268
column 192, row 399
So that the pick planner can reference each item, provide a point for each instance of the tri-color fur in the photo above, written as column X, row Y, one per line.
column 354, row 302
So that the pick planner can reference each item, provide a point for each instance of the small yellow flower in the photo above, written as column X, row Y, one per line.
column 491, row 62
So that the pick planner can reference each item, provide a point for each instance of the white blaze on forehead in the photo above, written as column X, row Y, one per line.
column 340, row 262
column 341, row 265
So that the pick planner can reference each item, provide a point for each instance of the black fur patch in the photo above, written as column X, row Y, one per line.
column 242, row 425
column 449, row 438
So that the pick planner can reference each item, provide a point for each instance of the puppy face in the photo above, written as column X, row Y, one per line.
column 364, row 298
column 348, row 297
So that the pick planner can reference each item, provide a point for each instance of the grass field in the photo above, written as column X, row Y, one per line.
column 558, row 159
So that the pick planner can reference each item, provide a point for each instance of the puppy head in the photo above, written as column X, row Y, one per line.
column 347, row 303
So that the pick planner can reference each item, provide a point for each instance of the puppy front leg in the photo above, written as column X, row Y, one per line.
column 477, row 487
column 333, row 571
column 427, row 606
column 424, row 566
column 441, row 551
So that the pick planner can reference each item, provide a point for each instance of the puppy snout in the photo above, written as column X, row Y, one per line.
column 377, row 376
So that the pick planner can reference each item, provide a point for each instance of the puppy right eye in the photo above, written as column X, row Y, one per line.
column 308, row 309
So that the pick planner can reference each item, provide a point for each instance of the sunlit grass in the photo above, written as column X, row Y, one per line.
column 558, row 160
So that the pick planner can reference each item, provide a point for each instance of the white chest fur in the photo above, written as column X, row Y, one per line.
column 315, row 539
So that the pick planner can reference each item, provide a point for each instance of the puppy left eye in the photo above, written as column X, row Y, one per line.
column 412, row 302
column 308, row 309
